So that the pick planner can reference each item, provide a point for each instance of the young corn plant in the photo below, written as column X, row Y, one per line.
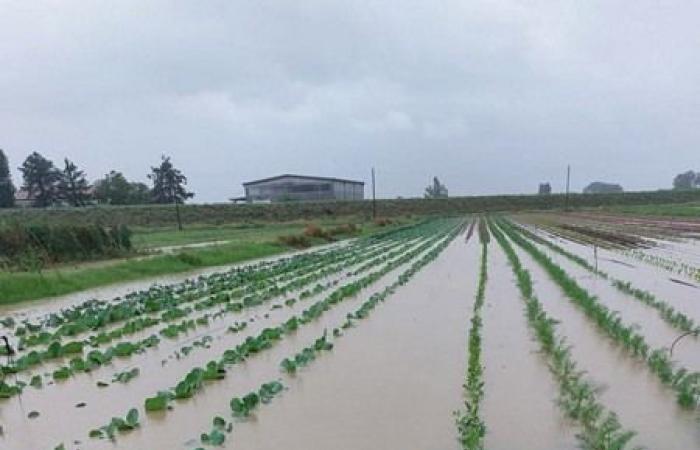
column 686, row 384
column 470, row 426
column 672, row 317
column 601, row 429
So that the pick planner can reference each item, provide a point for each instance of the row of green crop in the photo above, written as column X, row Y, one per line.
column 577, row 395
column 241, row 407
column 232, row 301
column 214, row 370
column 668, row 264
column 667, row 312
column 686, row 384
column 95, row 358
column 95, row 314
column 470, row 425
column 269, row 336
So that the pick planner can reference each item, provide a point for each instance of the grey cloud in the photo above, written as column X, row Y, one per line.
column 493, row 97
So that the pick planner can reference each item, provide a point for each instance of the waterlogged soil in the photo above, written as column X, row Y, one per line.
column 628, row 388
column 657, row 333
column 40, row 307
column 257, row 318
column 176, row 429
column 685, row 250
column 683, row 298
column 658, row 281
column 393, row 381
column 519, row 386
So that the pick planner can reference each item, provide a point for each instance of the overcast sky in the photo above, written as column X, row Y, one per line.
column 490, row 96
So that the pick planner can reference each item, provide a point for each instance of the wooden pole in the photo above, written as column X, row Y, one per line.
column 374, row 196
column 568, row 179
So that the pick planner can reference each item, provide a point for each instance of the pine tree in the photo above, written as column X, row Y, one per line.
column 168, row 183
column 73, row 186
column 436, row 190
column 40, row 180
column 169, row 186
column 7, row 189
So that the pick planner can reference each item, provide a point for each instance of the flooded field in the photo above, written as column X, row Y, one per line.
column 449, row 334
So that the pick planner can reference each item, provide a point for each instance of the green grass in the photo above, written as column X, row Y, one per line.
column 16, row 287
column 149, row 238
column 244, row 242
column 163, row 237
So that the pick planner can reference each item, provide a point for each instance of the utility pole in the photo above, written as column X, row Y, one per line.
column 374, row 197
column 177, row 209
column 568, row 179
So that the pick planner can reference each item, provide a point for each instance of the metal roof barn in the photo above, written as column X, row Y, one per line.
column 299, row 188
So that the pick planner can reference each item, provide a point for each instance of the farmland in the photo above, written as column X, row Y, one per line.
column 532, row 330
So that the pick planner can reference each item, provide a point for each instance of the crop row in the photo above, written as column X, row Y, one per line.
column 686, row 384
column 214, row 370
column 669, row 314
column 668, row 264
column 95, row 358
column 268, row 336
column 94, row 314
column 470, row 425
column 242, row 406
column 577, row 395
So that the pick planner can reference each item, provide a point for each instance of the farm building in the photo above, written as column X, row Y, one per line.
column 302, row 188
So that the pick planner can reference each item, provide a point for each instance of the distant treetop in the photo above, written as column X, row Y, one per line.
column 687, row 180
column 436, row 190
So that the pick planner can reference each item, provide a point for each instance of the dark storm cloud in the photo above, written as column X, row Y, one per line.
column 490, row 96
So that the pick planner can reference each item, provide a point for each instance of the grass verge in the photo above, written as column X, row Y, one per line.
column 243, row 242
column 23, row 286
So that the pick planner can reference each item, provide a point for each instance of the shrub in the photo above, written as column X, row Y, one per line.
column 382, row 221
column 295, row 241
column 60, row 243
column 315, row 231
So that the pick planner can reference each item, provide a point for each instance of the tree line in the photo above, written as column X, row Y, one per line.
column 45, row 185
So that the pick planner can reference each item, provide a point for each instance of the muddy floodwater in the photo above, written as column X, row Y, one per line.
column 627, row 388
column 392, row 381
column 519, row 385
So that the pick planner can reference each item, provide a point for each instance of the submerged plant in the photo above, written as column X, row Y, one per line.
column 470, row 425
column 577, row 396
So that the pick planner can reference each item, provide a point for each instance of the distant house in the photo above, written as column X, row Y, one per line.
column 296, row 188
column 600, row 187
column 23, row 198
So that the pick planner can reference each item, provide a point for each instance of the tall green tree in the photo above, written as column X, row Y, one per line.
column 115, row 189
column 169, row 186
column 140, row 193
column 168, row 183
column 686, row 180
column 7, row 189
column 73, row 186
column 436, row 190
column 40, row 180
